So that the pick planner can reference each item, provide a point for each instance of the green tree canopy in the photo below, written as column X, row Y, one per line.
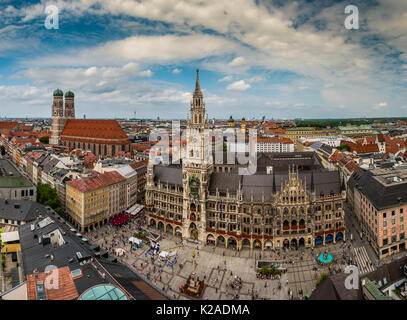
column 44, row 140
column 48, row 196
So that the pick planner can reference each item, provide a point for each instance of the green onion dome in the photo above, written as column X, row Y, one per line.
column 58, row 93
column 69, row 94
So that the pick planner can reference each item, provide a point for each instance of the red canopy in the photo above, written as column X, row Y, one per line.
column 119, row 219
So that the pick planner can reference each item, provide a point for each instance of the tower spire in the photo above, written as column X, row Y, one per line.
column 197, row 86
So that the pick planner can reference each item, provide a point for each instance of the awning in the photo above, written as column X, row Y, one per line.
column 135, row 209
column 8, row 248
column 339, row 236
column 318, row 240
column 10, row 236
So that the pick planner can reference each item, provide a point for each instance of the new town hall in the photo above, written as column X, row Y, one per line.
column 291, row 200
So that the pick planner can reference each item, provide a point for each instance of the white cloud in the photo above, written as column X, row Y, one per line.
column 273, row 103
column 256, row 79
column 240, row 85
column 403, row 107
column 176, row 71
column 225, row 79
column 237, row 62
column 380, row 105
column 146, row 73
column 146, row 49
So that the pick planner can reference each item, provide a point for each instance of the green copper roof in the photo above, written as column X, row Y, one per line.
column 58, row 92
column 374, row 290
column 69, row 94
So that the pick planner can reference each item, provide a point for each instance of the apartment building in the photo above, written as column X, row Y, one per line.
column 380, row 205
column 91, row 201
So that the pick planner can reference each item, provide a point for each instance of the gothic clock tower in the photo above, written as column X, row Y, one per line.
column 196, row 168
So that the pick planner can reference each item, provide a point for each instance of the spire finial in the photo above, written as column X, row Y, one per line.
column 197, row 86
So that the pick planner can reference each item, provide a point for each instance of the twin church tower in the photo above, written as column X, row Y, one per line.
column 61, row 113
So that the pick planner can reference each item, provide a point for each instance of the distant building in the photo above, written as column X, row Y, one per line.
column 354, row 131
column 274, row 145
column 299, row 132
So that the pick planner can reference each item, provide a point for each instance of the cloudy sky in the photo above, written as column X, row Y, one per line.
column 279, row 59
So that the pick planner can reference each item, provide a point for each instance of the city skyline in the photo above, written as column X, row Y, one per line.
column 299, row 62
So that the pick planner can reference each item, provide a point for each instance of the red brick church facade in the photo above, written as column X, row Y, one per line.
column 101, row 137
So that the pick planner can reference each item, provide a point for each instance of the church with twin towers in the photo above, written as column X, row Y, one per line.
column 99, row 136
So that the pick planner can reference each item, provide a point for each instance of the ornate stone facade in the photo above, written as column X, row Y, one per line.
column 290, row 201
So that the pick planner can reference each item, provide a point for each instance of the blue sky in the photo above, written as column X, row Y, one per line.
column 279, row 59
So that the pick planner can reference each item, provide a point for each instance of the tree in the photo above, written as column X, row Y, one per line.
column 225, row 147
column 343, row 147
column 48, row 196
column 44, row 140
column 3, row 150
column 321, row 279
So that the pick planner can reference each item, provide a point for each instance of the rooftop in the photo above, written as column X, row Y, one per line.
column 20, row 210
column 96, row 182
column 10, row 176
column 96, row 129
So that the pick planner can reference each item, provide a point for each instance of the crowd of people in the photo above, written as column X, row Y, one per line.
column 236, row 283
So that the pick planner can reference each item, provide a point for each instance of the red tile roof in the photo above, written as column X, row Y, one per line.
column 274, row 140
column 101, row 130
column 136, row 165
column 8, row 124
column 367, row 148
column 392, row 149
column 277, row 130
column 66, row 289
column 96, row 182
column 351, row 166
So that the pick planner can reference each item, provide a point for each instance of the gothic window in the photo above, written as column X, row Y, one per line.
column 285, row 211
column 113, row 149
